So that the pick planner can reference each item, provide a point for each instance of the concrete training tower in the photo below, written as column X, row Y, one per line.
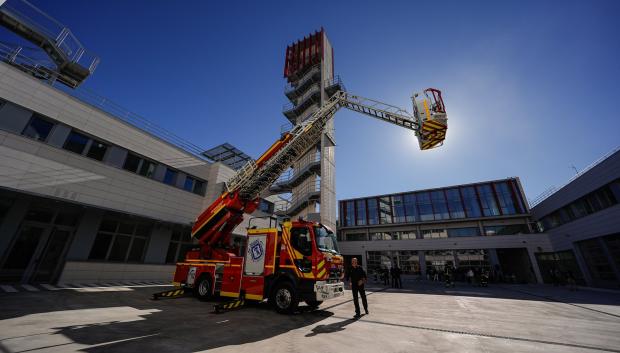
column 309, row 68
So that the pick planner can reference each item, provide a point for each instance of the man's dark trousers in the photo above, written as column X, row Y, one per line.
column 362, row 293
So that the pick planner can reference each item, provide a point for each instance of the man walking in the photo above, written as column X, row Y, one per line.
column 357, row 279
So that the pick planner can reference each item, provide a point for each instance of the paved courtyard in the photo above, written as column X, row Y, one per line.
column 424, row 317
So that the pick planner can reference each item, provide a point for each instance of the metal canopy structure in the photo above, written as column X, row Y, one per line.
column 227, row 154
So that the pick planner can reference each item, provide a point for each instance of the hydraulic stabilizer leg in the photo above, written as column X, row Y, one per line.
column 169, row 294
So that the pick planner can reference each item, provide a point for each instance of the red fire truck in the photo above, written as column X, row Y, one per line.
column 290, row 261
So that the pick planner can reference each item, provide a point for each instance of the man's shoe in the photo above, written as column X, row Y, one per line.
column 367, row 312
column 357, row 316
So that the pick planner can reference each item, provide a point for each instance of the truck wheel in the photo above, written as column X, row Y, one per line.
column 202, row 289
column 284, row 298
column 314, row 303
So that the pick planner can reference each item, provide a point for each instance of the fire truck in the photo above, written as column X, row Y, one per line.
column 287, row 261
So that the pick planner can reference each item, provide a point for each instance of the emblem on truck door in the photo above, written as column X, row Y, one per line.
column 257, row 250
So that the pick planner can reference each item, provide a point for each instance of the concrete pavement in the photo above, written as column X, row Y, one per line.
column 425, row 317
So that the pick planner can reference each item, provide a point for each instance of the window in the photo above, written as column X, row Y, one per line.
column 487, row 200
column 504, row 195
column 121, row 239
column 475, row 259
column 596, row 260
column 373, row 211
column 76, row 142
column 424, row 206
column 399, row 209
column 463, row 232
column 434, row 233
column 454, row 203
column 266, row 206
column 147, row 168
column 38, row 128
column 440, row 206
column 349, row 213
column 385, row 210
column 180, row 243
column 360, row 219
column 382, row 236
column 194, row 185
column 470, row 200
column 132, row 162
column 97, row 150
column 595, row 201
column 406, row 235
column 508, row 229
column 410, row 208
column 171, row 177
column 301, row 241
column 356, row 237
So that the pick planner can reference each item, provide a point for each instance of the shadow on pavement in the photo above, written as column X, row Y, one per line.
column 129, row 322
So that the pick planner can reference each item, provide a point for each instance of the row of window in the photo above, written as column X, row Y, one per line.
column 436, row 260
column 125, row 239
column 484, row 200
column 595, row 201
column 440, row 233
column 39, row 128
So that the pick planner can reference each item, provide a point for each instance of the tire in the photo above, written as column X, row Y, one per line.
column 314, row 303
column 203, row 288
column 284, row 298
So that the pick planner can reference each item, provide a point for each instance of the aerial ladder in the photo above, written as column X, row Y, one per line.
column 300, row 261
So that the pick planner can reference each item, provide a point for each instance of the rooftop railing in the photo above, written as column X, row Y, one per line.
column 552, row 190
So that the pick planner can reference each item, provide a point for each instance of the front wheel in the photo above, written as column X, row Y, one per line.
column 314, row 303
column 284, row 298
column 203, row 290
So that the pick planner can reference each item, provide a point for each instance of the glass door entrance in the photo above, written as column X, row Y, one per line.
column 39, row 246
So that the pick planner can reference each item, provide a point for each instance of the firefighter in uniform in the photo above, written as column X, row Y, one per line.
column 357, row 280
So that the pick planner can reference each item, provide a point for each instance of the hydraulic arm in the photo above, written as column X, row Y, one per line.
column 214, row 226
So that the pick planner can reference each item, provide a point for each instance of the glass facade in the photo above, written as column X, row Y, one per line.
column 411, row 210
column 508, row 229
column 360, row 219
column 440, row 206
column 407, row 261
column 472, row 201
column 455, row 204
column 399, row 209
column 487, row 200
column 425, row 207
column 385, row 210
column 373, row 211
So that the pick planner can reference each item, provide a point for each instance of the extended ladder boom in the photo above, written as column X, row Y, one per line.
column 214, row 225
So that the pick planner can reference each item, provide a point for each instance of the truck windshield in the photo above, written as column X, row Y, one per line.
column 325, row 240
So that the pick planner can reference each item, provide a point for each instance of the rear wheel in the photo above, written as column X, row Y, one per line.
column 314, row 303
column 203, row 289
column 284, row 298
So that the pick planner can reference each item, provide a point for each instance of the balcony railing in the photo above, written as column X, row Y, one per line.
column 298, row 200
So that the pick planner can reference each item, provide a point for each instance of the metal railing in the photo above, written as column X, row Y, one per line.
column 15, row 57
column 552, row 190
column 60, row 34
column 300, row 196
column 289, row 175
column 288, row 88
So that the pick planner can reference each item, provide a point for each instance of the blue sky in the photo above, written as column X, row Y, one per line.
column 531, row 87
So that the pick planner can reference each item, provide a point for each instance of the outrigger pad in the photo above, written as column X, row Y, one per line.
column 232, row 305
column 175, row 293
